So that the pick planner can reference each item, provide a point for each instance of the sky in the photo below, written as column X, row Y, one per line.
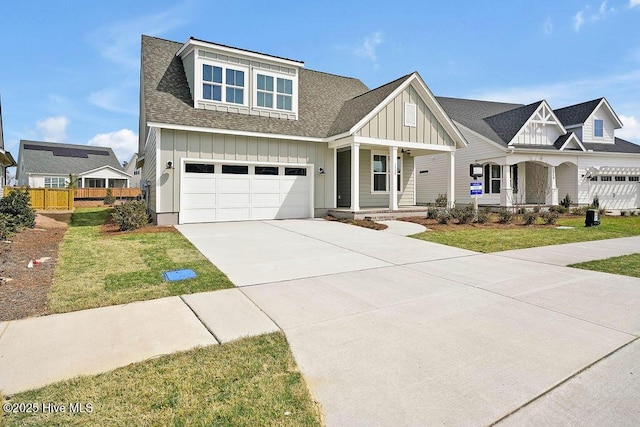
column 70, row 70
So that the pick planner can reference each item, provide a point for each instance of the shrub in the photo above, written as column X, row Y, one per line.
column 463, row 215
column 441, row 201
column 566, row 202
column 5, row 229
column 596, row 202
column 431, row 212
column 109, row 199
column 505, row 216
column 536, row 209
column 443, row 215
column 559, row 209
column 483, row 215
column 623, row 213
column 581, row 210
column 529, row 217
column 16, row 212
column 550, row 217
column 131, row 215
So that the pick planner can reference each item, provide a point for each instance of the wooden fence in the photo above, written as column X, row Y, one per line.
column 100, row 193
column 48, row 198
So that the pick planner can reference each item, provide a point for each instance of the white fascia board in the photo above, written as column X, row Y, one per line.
column 104, row 167
column 604, row 102
column 400, row 144
column 235, row 51
column 429, row 99
column 573, row 137
column 344, row 142
column 234, row 132
column 530, row 119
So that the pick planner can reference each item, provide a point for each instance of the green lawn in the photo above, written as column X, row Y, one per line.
column 97, row 270
column 628, row 265
column 488, row 239
column 250, row 382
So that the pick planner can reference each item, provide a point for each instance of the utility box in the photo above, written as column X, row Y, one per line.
column 593, row 218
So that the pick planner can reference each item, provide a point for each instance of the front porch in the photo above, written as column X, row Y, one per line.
column 379, row 213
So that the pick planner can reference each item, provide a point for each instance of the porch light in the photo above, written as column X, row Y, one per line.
column 475, row 170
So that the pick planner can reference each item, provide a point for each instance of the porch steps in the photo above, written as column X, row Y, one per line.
column 378, row 214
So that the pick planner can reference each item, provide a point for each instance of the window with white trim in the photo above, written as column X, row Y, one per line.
column 605, row 178
column 223, row 84
column 380, row 173
column 492, row 176
column 598, row 128
column 620, row 178
column 274, row 92
column 634, row 178
column 55, row 182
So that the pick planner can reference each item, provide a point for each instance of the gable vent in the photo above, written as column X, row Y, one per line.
column 410, row 114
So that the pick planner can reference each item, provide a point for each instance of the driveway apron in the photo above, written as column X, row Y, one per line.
column 389, row 330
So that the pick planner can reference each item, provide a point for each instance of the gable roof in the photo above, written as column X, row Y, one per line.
column 471, row 114
column 506, row 125
column 167, row 98
column 619, row 146
column 63, row 159
column 563, row 141
column 577, row 114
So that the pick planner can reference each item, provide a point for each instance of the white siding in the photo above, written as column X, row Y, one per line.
column 613, row 195
column 537, row 134
column 609, row 126
column 567, row 181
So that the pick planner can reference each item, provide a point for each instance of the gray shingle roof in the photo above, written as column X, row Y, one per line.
column 357, row 108
column 506, row 125
column 561, row 140
column 168, row 99
column 471, row 114
column 576, row 114
column 40, row 157
column 619, row 146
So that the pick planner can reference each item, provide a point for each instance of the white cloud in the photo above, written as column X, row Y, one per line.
column 123, row 142
column 548, row 26
column 53, row 129
column 578, row 20
column 634, row 3
column 631, row 129
column 369, row 46
column 117, row 99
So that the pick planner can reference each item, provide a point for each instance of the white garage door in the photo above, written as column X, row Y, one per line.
column 616, row 192
column 236, row 192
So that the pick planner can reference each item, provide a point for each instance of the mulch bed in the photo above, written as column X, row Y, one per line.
column 433, row 224
column 359, row 222
column 23, row 291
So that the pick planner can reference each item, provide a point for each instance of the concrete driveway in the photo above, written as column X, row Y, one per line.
column 390, row 330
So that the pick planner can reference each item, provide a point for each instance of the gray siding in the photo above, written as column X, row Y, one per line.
column 389, row 123
column 149, row 169
column 189, row 69
column 176, row 145
column 369, row 199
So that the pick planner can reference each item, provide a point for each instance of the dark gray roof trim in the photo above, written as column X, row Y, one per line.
column 619, row 146
column 63, row 159
column 561, row 140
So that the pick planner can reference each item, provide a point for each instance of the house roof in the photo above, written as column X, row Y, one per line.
column 472, row 114
column 506, row 125
column 63, row 159
column 577, row 114
column 619, row 146
column 168, row 99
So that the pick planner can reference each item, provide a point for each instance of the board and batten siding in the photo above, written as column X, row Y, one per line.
column 537, row 134
column 148, row 173
column 369, row 199
column 176, row 145
column 389, row 122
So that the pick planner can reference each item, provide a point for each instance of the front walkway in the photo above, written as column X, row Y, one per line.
column 387, row 330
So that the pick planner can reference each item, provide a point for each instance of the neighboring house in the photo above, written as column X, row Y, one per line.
column 49, row 164
column 6, row 159
column 229, row 134
column 134, row 171
column 532, row 154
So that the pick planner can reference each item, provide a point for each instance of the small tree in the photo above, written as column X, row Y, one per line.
column 16, row 213
column 566, row 202
column 109, row 198
column 73, row 181
column 131, row 215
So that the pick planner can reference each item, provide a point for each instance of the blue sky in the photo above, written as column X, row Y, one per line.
column 70, row 70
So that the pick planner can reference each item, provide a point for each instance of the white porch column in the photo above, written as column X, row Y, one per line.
column 393, row 181
column 553, row 197
column 355, row 177
column 82, row 182
column 451, row 178
column 506, row 191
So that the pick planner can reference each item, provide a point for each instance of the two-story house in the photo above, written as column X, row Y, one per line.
column 228, row 134
column 532, row 154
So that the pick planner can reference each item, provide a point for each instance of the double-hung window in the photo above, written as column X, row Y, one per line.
column 381, row 172
column 598, row 128
column 55, row 182
column 222, row 84
column 492, row 176
column 274, row 92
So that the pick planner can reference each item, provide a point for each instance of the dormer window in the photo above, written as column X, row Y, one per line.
column 598, row 128
column 231, row 90
column 270, row 88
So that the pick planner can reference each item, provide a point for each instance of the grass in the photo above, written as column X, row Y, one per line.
column 96, row 270
column 250, row 382
column 628, row 265
column 495, row 239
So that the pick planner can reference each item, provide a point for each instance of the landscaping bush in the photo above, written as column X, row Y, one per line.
column 559, row 209
column 441, row 201
column 109, row 198
column 566, row 202
column 581, row 210
column 463, row 215
column 536, row 209
column 529, row 217
column 16, row 212
column 505, row 216
column 483, row 215
column 550, row 217
column 131, row 215
column 443, row 215
column 431, row 212
column 596, row 202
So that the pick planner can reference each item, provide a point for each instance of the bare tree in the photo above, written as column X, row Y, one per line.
column 538, row 183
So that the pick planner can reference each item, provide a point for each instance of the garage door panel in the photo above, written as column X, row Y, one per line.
column 266, row 200
column 234, row 184
column 616, row 195
column 265, row 213
column 197, row 215
column 233, row 214
column 265, row 184
column 295, row 184
column 234, row 199
column 199, row 185
column 199, row 201
column 295, row 199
